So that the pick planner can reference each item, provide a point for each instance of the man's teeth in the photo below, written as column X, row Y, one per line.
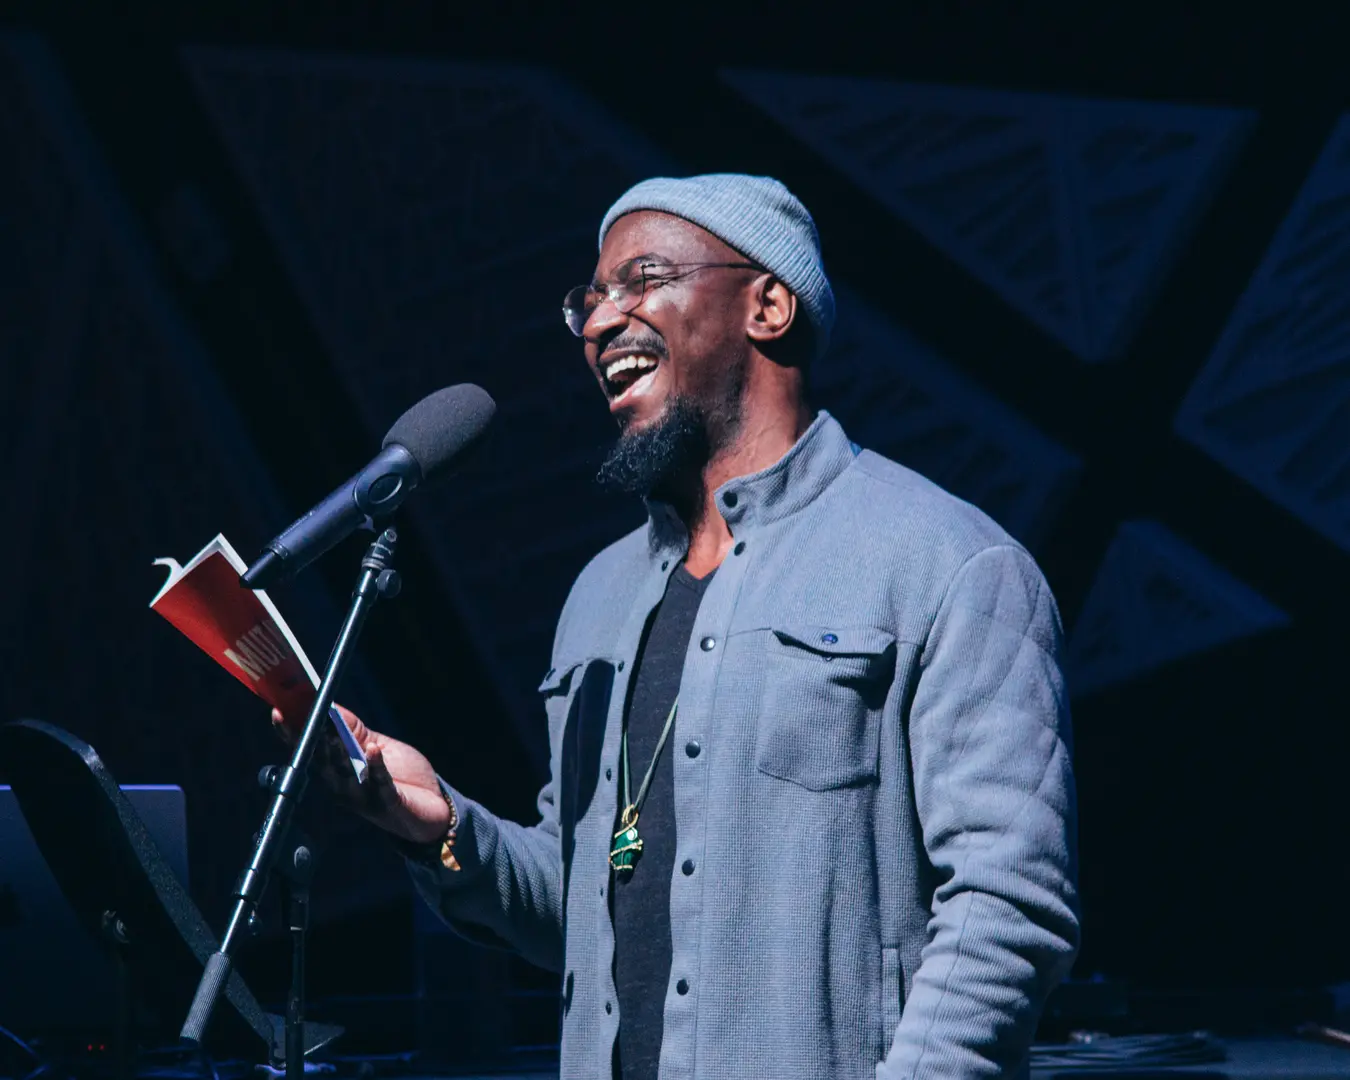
column 630, row 363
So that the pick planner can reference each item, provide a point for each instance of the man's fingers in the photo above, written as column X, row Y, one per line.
column 377, row 772
column 359, row 731
column 290, row 725
column 294, row 725
column 377, row 794
column 331, row 755
column 279, row 726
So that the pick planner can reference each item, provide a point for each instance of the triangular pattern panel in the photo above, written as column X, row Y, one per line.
column 1272, row 402
column 1156, row 600
column 1071, row 209
column 896, row 396
column 470, row 199
column 110, row 412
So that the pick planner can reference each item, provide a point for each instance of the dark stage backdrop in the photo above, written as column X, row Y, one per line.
column 1092, row 280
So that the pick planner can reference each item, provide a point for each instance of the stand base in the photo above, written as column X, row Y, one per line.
column 317, row 1036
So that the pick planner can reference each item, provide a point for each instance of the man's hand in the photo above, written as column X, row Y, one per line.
column 400, row 795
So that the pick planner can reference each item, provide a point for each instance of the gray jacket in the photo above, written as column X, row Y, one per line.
column 873, row 789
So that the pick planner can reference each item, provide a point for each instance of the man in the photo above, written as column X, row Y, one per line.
column 811, row 806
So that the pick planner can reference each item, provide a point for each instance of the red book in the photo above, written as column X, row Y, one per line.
column 244, row 633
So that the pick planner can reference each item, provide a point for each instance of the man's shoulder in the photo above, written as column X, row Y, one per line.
column 916, row 534
column 897, row 503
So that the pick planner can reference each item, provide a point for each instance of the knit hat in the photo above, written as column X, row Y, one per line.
column 757, row 216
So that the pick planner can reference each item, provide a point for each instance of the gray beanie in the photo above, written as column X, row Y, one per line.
column 758, row 217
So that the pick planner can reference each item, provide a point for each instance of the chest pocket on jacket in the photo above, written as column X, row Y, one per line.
column 820, row 714
column 560, row 692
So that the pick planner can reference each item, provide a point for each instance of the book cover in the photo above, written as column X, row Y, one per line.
column 242, row 630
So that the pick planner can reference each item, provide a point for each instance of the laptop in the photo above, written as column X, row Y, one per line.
column 57, row 979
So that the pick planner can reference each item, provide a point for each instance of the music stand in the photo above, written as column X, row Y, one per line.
column 121, row 888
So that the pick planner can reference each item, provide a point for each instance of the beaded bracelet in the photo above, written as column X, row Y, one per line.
column 447, row 853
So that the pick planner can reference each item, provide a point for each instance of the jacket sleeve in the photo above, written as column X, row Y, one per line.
column 991, row 752
column 508, row 890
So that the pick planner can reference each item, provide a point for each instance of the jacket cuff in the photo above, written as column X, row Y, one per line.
column 474, row 848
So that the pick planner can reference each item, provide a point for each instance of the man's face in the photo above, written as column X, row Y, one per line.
column 672, row 368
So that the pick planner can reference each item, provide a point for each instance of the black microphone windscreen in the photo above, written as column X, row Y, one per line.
column 443, row 425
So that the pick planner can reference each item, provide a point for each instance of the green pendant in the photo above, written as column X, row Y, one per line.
column 627, row 845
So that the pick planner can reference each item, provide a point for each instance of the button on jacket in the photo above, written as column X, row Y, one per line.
column 875, row 810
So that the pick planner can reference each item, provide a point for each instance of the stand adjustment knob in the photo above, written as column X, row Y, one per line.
column 115, row 928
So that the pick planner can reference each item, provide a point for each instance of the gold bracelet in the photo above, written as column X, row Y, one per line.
column 448, row 859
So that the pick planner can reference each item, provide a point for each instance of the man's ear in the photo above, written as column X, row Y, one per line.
column 773, row 310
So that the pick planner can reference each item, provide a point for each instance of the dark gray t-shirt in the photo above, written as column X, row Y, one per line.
column 641, row 900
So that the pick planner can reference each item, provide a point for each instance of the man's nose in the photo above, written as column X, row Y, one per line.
column 603, row 321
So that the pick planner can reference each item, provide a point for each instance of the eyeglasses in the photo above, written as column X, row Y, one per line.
column 629, row 286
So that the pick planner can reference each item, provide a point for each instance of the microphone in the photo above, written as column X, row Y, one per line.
column 419, row 448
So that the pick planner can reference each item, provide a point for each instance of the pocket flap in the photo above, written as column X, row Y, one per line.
column 558, row 679
column 836, row 640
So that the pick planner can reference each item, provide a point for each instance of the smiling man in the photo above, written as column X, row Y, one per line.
column 811, row 804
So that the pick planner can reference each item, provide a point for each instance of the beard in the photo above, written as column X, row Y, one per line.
column 662, row 457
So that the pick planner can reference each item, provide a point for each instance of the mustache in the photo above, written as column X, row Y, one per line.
column 642, row 340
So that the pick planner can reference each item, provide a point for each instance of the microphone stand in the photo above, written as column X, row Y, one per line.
column 297, row 871
column 376, row 579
